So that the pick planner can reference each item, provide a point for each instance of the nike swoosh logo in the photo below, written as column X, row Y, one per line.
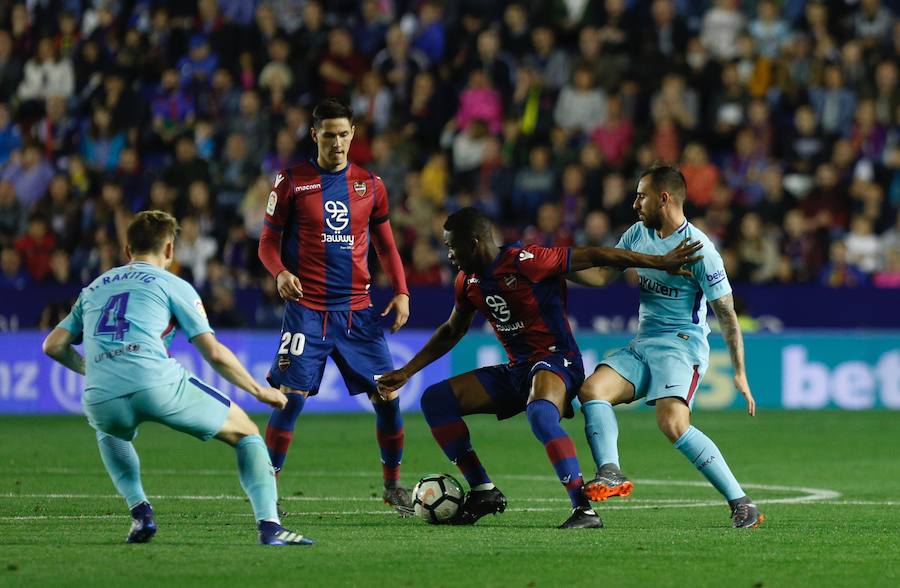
column 672, row 386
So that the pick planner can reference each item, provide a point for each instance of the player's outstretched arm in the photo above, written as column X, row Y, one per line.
column 58, row 345
column 386, row 249
column 444, row 338
column 594, row 277
column 672, row 262
column 731, row 331
column 229, row 367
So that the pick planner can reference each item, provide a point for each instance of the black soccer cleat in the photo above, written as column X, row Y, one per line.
column 583, row 517
column 610, row 481
column 143, row 525
column 745, row 515
column 478, row 504
column 400, row 499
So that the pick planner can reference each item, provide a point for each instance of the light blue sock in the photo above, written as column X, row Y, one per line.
column 602, row 431
column 124, row 467
column 257, row 477
column 706, row 457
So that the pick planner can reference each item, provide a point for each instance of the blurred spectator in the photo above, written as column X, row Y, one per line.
column 35, row 247
column 12, row 275
column 341, row 66
column 677, row 101
column 468, row 147
column 253, row 206
column 425, row 268
column 10, row 135
column 46, row 75
column 186, row 168
column 581, row 106
column 101, row 144
column 863, row 246
column 56, row 131
column 889, row 277
column 371, row 102
column 370, row 27
column 839, row 272
column 29, row 173
column 62, row 211
column 872, row 24
column 480, row 101
column 700, row 175
column 399, row 64
column 253, row 124
column 10, row 65
column 596, row 231
column 430, row 36
column 550, row 63
column 548, row 231
column 757, row 253
column 834, row 103
column 769, row 30
column 573, row 201
column 10, row 214
column 234, row 171
column 533, row 185
column 193, row 250
column 61, row 270
column 721, row 25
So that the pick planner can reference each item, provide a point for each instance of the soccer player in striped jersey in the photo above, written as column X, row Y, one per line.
column 321, row 216
column 665, row 362
column 127, row 318
column 521, row 291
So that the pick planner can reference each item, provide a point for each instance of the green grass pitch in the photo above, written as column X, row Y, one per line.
column 829, row 483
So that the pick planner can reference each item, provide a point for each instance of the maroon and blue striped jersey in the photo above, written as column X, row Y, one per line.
column 323, row 220
column 523, row 295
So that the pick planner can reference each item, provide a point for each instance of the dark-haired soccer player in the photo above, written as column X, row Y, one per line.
column 320, row 217
column 127, row 318
column 664, row 363
column 522, row 292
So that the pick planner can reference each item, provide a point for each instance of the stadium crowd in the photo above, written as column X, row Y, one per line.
column 784, row 117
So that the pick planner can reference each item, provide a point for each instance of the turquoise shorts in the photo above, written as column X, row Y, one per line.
column 189, row 406
column 662, row 366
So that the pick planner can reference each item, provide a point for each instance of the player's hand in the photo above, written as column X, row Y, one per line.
column 399, row 304
column 675, row 260
column 740, row 382
column 273, row 397
column 288, row 285
column 390, row 381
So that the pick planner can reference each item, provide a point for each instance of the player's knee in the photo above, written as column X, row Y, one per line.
column 591, row 390
column 438, row 399
column 671, row 427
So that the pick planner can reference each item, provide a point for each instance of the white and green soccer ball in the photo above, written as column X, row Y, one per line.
column 437, row 498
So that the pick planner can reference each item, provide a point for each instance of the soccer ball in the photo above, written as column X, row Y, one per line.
column 437, row 498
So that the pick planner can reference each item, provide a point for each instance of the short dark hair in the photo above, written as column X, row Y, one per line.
column 469, row 222
column 330, row 108
column 667, row 178
column 149, row 230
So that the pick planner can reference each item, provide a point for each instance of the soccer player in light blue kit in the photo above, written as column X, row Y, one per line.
column 664, row 363
column 127, row 318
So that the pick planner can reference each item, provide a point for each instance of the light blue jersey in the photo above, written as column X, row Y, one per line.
column 127, row 318
column 672, row 303
column 670, row 353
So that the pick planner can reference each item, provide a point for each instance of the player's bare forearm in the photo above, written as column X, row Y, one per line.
column 442, row 340
column 731, row 330
column 594, row 277
column 587, row 257
column 226, row 363
column 58, row 345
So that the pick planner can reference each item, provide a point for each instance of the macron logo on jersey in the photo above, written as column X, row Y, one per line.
column 308, row 187
column 278, row 179
column 525, row 255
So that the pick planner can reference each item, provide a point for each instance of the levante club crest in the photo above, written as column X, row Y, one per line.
column 360, row 188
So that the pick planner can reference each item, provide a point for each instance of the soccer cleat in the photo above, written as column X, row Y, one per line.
column 583, row 517
column 274, row 534
column 400, row 499
column 478, row 504
column 745, row 515
column 610, row 481
column 143, row 525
